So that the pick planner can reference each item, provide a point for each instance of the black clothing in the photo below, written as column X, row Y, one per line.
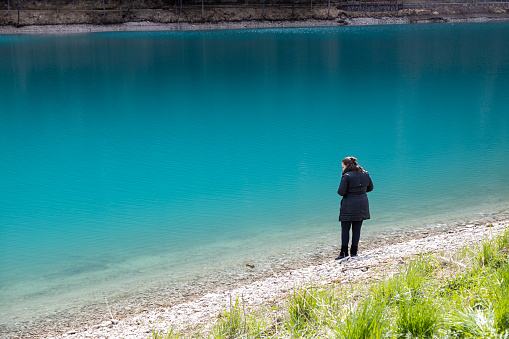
column 353, row 188
column 343, row 254
column 354, row 208
column 356, row 234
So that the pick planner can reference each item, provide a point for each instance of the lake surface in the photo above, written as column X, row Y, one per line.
column 132, row 163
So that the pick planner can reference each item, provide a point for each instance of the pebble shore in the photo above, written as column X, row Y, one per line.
column 371, row 264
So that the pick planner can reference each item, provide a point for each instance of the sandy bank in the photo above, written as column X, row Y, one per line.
column 371, row 265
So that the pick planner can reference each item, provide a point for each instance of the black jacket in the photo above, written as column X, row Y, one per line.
column 353, row 188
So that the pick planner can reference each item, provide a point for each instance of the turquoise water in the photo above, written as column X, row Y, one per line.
column 132, row 161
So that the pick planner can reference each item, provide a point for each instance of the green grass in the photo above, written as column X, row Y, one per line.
column 231, row 323
column 500, row 297
column 425, row 299
column 362, row 321
column 387, row 292
column 471, row 323
column 494, row 253
column 417, row 317
column 303, row 308
column 171, row 334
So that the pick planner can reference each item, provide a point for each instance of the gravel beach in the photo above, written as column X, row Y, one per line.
column 372, row 264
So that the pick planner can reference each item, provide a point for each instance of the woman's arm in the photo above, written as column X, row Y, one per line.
column 370, row 185
column 343, row 185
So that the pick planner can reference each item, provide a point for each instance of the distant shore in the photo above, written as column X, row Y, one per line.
column 452, row 14
column 371, row 265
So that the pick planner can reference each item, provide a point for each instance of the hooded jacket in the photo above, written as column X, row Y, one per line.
column 353, row 189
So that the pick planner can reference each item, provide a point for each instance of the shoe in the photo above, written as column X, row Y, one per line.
column 343, row 254
column 353, row 251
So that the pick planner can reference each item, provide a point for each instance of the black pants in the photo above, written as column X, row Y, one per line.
column 345, row 232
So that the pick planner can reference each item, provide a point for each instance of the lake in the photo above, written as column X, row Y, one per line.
column 157, row 164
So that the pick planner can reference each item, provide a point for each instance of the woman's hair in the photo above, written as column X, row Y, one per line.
column 351, row 165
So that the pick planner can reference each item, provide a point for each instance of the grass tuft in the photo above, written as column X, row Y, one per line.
column 501, row 296
column 387, row 292
column 494, row 252
column 171, row 334
column 365, row 321
column 230, row 323
column 472, row 322
column 416, row 275
column 417, row 318
column 309, row 309
column 302, row 308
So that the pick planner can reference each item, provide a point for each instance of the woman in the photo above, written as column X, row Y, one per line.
column 355, row 182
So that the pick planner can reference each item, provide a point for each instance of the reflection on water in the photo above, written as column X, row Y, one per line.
column 127, row 156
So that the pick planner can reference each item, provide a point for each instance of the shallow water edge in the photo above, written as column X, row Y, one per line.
column 122, row 306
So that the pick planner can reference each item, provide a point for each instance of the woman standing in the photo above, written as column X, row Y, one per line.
column 355, row 183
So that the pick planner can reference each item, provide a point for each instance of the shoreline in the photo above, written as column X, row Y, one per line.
column 371, row 265
column 341, row 20
column 87, row 320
